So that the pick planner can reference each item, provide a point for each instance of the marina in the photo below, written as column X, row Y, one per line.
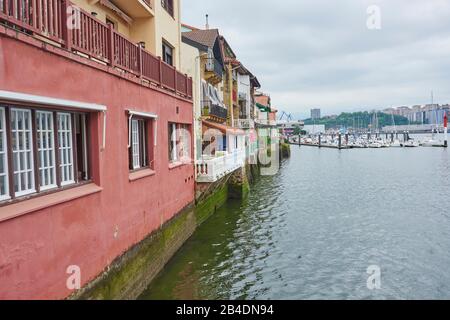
column 348, row 141
column 374, row 140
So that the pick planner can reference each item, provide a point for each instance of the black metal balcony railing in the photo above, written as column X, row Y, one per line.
column 210, row 108
column 213, row 65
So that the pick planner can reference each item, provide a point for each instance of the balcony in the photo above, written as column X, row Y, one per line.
column 213, row 70
column 244, row 124
column 92, row 39
column 265, row 123
column 211, row 169
column 214, row 110
column 134, row 8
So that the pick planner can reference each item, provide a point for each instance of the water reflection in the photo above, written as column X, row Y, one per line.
column 311, row 232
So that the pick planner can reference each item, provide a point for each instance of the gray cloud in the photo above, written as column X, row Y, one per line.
column 319, row 53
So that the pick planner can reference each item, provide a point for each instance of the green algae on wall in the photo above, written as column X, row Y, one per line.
column 130, row 274
column 206, row 208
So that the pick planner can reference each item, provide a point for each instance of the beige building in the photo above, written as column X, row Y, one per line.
column 153, row 22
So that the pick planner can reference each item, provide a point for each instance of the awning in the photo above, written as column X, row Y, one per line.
column 9, row 96
column 17, row 97
column 142, row 114
column 263, row 108
column 223, row 128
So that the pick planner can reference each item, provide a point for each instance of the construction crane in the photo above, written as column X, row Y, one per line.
column 288, row 117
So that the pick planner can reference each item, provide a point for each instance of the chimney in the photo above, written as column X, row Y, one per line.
column 207, row 22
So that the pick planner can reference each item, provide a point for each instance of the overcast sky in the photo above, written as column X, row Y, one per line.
column 320, row 53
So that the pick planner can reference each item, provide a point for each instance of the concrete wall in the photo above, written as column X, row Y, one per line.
column 93, row 230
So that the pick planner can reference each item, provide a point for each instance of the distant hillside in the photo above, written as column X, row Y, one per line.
column 358, row 120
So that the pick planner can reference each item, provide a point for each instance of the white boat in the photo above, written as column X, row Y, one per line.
column 396, row 144
column 375, row 145
column 432, row 143
column 411, row 144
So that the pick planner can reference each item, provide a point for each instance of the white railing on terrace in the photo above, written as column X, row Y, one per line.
column 211, row 169
column 265, row 122
column 244, row 123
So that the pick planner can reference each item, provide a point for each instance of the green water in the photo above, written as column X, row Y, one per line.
column 312, row 231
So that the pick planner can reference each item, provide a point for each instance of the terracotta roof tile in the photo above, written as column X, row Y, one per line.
column 204, row 37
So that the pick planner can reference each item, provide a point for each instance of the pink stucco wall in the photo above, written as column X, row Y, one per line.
column 36, row 248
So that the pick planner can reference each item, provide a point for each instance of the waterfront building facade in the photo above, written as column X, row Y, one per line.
column 266, row 126
column 223, row 106
column 95, row 138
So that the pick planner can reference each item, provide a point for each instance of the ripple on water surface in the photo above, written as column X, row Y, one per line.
column 312, row 231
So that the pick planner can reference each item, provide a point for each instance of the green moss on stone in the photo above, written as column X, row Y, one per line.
column 132, row 273
column 209, row 206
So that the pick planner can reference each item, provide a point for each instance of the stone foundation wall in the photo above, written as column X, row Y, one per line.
column 129, row 275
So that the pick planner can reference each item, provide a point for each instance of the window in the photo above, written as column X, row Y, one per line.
column 81, row 139
column 168, row 5
column 173, row 155
column 22, row 152
column 109, row 21
column 179, row 142
column 167, row 53
column 4, row 192
column 185, row 143
column 65, row 143
column 139, row 144
column 48, row 150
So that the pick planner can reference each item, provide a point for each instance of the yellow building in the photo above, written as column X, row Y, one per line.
column 155, row 23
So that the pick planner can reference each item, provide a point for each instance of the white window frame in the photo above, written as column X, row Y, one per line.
column 147, row 116
column 65, row 134
column 4, row 154
column 45, row 131
column 185, row 141
column 135, row 144
column 173, row 141
column 28, row 167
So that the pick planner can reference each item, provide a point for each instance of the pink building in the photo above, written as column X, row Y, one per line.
column 92, row 156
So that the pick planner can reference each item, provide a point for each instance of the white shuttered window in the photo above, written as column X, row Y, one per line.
column 65, row 148
column 4, row 187
column 135, row 144
column 22, row 143
column 46, row 150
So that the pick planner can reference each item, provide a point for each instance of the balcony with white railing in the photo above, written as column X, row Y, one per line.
column 244, row 124
column 210, row 169
column 266, row 122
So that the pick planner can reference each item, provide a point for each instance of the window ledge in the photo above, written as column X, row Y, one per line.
column 141, row 174
column 28, row 206
column 174, row 165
